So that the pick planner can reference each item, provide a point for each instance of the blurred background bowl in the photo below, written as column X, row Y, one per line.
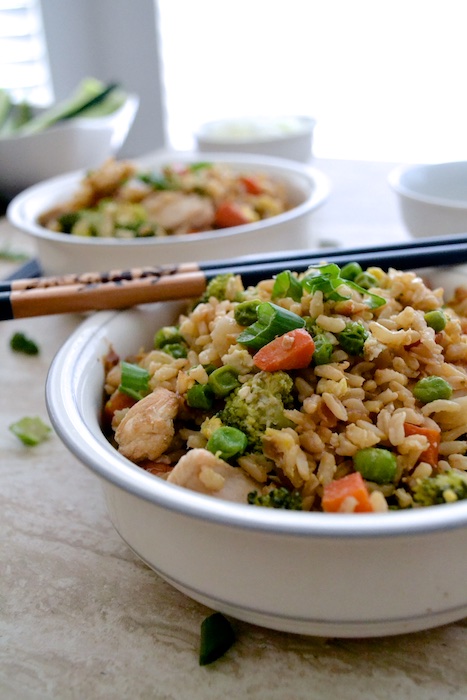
column 307, row 188
column 76, row 144
column 282, row 137
column 432, row 198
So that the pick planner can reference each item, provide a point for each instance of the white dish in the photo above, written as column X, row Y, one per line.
column 432, row 198
column 59, row 253
column 309, row 573
column 72, row 145
column 281, row 137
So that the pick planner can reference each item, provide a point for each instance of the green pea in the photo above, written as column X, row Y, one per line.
column 176, row 350
column 200, row 396
column 227, row 442
column 436, row 320
column 351, row 271
column 366, row 280
column 432, row 388
column 376, row 464
column 167, row 335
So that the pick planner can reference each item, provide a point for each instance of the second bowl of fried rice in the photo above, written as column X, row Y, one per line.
column 170, row 207
column 313, row 427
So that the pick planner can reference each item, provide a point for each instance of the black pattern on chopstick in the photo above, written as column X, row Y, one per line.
column 184, row 281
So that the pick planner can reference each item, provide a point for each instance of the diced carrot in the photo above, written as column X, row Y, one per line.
column 350, row 486
column 251, row 184
column 431, row 454
column 293, row 350
column 116, row 402
column 232, row 214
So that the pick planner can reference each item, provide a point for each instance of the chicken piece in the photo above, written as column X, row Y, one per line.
column 147, row 429
column 201, row 471
column 173, row 210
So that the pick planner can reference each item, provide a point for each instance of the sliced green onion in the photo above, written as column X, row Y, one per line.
column 329, row 280
column 223, row 380
column 272, row 322
column 31, row 431
column 217, row 636
column 287, row 285
column 176, row 350
column 21, row 343
column 134, row 380
column 351, row 271
column 167, row 334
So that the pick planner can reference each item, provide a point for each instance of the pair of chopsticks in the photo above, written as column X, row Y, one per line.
column 118, row 289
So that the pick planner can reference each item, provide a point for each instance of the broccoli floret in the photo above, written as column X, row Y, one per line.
column 259, row 403
column 448, row 487
column 277, row 498
column 217, row 287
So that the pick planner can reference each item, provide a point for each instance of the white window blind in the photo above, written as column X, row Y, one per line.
column 24, row 69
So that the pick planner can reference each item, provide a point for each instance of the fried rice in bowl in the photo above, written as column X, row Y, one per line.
column 171, row 207
column 313, row 427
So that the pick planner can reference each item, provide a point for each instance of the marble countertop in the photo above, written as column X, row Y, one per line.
column 82, row 617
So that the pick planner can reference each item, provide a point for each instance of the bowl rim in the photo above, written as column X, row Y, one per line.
column 307, row 124
column 395, row 181
column 64, row 405
column 319, row 182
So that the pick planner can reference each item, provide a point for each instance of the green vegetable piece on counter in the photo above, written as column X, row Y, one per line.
column 431, row 389
column 200, row 396
column 436, row 320
column 134, row 380
column 323, row 349
column 217, row 636
column 19, row 342
column 376, row 464
column 351, row 271
column 352, row 338
column 31, row 430
column 223, row 380
column 287, row 285
column 227, row 442
column 245, row 312
column 272, row 322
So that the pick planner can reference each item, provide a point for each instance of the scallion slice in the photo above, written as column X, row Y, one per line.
column 217, row 636
column 30, row 430
column 134, row 380
column 287, row 285
column 272, row 322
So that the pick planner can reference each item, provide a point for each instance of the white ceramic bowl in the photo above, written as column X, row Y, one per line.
column 432, row 198
column 72, row 145
column 281, row 137
column 60, row 253
column 313, row 573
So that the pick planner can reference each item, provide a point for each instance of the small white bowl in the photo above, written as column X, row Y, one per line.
column 432, row 198
column 281, row 137
column 71, row 145
column 61, row 253
column 325, row 574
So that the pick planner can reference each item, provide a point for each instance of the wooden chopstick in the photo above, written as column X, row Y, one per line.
column 34, row 282
column 185, row 281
